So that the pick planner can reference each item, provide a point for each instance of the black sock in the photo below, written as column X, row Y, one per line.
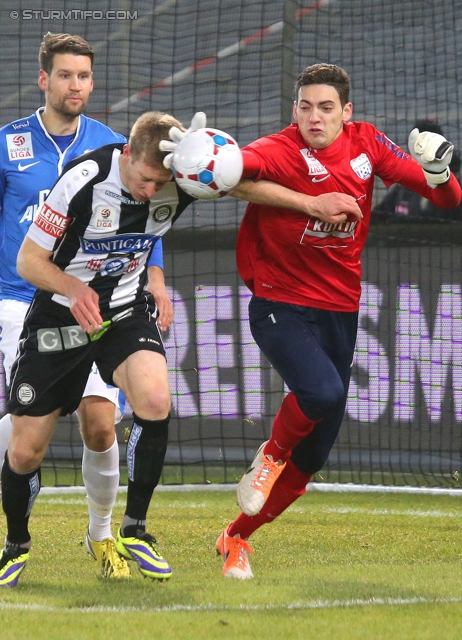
column 131, row 528
column 19, row 491
column 146, row 450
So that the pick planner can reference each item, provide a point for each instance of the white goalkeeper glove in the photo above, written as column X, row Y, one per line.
column 433, row 152
column 199, row 121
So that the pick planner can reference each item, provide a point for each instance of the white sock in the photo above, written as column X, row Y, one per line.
column 100, row 471
column 6, row 426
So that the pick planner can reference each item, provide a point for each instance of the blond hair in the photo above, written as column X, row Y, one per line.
column 147, row 132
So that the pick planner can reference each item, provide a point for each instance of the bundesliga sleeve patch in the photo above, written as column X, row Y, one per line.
column 51, row 222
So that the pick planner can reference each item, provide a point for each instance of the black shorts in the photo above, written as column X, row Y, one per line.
column 55, row 356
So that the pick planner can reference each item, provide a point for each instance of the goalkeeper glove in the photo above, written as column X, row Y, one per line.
column 198, row 121
column 433, row 152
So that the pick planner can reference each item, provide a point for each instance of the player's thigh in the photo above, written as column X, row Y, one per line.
column 131, row 356
column 337, row 331
column 96, row 387
column 12, row 313
column 97, row 422
column 143, row 377
column 291, row 345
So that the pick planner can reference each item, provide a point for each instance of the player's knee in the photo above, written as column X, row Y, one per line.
column 154, row 405
column 310, row 463
column 320, row 402
column 98, row 432
column 23, row 456
column 100, row 439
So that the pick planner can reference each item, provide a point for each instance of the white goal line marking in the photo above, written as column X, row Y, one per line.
column 396, row 512
column 310, row 509
column 329, row 487
column 316, row 604
column 379, row 512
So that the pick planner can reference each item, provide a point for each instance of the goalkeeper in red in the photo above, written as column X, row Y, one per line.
column 304, row 272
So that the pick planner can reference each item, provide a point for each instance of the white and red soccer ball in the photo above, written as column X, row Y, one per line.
column 207, row 163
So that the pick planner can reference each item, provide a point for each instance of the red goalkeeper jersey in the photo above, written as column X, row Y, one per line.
column 290, row 257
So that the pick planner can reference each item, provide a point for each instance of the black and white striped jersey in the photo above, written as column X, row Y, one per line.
column 98, row 233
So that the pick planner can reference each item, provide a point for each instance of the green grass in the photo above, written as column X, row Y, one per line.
column 347, row 566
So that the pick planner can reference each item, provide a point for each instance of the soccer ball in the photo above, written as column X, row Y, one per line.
column 207, row 163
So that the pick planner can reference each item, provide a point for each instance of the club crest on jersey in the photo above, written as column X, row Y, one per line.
column 315, row 168
column 362, row 166
column 25, row 393
column 104, row 217
column 162, row 213
column 19, row 145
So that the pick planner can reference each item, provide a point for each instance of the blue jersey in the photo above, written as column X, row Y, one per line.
column 30, row 163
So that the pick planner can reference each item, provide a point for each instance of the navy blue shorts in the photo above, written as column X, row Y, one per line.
column 312, row 350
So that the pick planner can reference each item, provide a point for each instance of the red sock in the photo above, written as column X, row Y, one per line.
column 290, row 485
column 289, row 427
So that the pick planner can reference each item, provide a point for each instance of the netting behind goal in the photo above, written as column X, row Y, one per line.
column 237, row 60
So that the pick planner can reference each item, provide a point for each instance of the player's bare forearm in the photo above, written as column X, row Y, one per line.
column 34, row 265
column 329, row 207
column 333, row 207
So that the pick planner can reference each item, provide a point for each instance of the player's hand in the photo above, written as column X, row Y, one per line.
column 334, row 207
column 434, row 153
column 84, row 305
column 158, row 290
column 165, row 309
column 199, row 121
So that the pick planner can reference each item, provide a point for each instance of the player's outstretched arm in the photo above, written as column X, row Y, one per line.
column 34, row 265
column 328, row 207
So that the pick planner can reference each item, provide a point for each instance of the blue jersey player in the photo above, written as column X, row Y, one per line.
column 33, row 153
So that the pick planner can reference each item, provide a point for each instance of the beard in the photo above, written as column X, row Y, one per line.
column 68, row 111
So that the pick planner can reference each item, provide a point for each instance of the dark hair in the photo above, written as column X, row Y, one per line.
column 147, row 132
column 429, row 125
column 54, row 43
column 326, row 74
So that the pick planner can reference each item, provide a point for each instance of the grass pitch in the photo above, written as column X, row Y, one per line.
column 347, row 566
